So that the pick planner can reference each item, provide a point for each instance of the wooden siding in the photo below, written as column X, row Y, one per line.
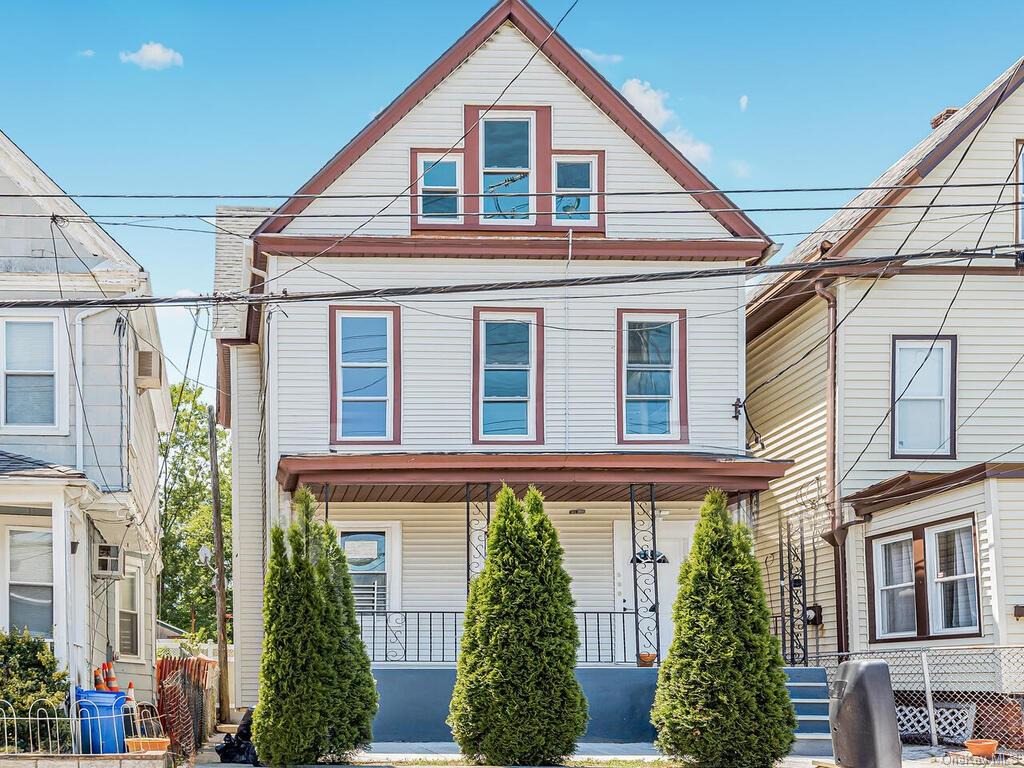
column 790, row 415
column 437, row 353
column 248, row 529
column 437, row 121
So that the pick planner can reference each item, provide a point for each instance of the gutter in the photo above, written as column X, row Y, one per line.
column 832, row 495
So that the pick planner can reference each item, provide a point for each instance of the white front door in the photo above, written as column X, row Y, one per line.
column 674, row 537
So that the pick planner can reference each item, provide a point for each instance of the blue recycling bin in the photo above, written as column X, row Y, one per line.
column 101, row 716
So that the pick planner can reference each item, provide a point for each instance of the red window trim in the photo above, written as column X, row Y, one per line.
column 921, row 585
column 415, row 185
column 538, row 376
column 620, row 360
column 395, row 394
column 543, row 157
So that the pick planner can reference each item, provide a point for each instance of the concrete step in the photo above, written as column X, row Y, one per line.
column 810, row 706
column 807, row 691
column 812, row 745
column 812, row 724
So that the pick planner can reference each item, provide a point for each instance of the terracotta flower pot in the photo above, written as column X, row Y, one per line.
column 982, row 747
column 646, row 659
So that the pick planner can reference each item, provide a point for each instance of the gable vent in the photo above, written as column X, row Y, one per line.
column 147, row 369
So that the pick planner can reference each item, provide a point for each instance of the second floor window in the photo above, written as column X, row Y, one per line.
column 507, row 379
column 651, row 373
column 923, row 392
column 365, row 375
column 28, row 356
column 507, row 169
column 574, row 185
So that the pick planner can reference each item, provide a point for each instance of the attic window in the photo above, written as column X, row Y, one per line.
column 440, row 187
column 574, row 184
column 507, row 166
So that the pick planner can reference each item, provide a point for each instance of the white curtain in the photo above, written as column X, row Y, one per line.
column 960, row 597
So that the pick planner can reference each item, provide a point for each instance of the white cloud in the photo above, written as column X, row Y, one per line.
column 652, row 104
column 649, row 100
column 744, row 101
column 153, row 56
column 602, row 58
column 88, row 53
column 740, row 169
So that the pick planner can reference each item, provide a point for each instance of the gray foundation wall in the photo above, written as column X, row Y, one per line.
column 414, row 703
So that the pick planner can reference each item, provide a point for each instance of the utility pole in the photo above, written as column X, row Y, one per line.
column 224, row 713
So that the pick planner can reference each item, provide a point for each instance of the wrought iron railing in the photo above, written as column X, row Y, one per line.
column 606, row 637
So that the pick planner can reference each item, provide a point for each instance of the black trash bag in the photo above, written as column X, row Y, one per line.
column 238, row 748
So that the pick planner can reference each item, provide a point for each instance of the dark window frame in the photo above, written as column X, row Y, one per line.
column 893, row 404
column 921, row 586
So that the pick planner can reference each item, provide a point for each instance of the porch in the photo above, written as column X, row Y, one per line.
column 414, row 527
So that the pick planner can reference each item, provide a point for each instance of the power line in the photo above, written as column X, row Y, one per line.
column 498, row 219
column 382, row 195
column 994, row 252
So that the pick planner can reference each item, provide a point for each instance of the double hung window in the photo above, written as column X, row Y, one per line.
column 507, row 169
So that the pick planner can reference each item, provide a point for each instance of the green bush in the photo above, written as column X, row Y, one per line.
column 516, row 698
column 721, row 697
column 31, row 682
column 317, row 696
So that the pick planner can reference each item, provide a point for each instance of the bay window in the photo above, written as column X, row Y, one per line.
column 651, row 376
column 923, row 397
column 507, row 181
column 924, row 582
column 366, row 381
column 507, row 382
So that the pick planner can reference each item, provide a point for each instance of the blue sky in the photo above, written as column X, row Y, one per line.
column 254, row 97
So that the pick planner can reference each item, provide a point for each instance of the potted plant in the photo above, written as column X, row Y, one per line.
column 646, row 659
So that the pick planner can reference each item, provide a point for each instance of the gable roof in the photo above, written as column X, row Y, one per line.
column 847, row 225
column 23, row 171
column 536, row 29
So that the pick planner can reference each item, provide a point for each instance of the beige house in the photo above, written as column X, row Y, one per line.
column 897, row 390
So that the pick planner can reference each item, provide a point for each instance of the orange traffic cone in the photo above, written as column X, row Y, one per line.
column 111, row 678
column 130, row 696
column 97, row 680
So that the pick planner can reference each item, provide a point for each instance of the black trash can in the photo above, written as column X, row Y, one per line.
column 862, row 716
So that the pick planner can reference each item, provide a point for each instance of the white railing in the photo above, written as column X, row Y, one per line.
column 48, row 730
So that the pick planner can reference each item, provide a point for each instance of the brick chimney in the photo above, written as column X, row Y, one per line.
column 943, row 116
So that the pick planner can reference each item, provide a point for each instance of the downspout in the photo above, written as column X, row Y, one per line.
column 832, row 493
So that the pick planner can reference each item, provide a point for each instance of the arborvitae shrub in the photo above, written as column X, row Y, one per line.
column 516, row 698
column 317, row 696
column 721, row 699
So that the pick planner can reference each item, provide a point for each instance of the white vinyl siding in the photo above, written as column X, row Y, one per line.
column 438, row 121
column 437, row 359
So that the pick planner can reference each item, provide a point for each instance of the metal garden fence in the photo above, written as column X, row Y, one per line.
column 946, row 695
column 48, row 730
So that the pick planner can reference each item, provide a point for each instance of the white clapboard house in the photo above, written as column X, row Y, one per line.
column 405, row 415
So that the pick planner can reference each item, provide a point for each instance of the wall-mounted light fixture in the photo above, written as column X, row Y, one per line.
column 578, row 511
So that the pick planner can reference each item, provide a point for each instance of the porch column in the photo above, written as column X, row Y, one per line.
column 478, row 521
column 62, row 610
column 644, row 541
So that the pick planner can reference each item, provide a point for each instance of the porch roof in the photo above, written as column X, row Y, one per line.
column 443, row 477
column 17, row 465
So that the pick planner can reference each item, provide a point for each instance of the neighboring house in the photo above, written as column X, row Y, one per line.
column 905, row 423
column 405, row 416
column 82, row 398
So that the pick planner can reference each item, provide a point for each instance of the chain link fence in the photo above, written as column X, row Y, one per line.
column 946, row 695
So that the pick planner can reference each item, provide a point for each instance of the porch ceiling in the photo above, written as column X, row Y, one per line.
column 435, row 478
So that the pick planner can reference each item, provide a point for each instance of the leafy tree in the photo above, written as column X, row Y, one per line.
column 516, row 698
column 32, row 684
column 186, row 515
column 317, row 696
column 721, row 697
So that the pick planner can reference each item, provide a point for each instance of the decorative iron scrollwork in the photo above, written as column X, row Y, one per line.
column 645, row 559
column 478, row 521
